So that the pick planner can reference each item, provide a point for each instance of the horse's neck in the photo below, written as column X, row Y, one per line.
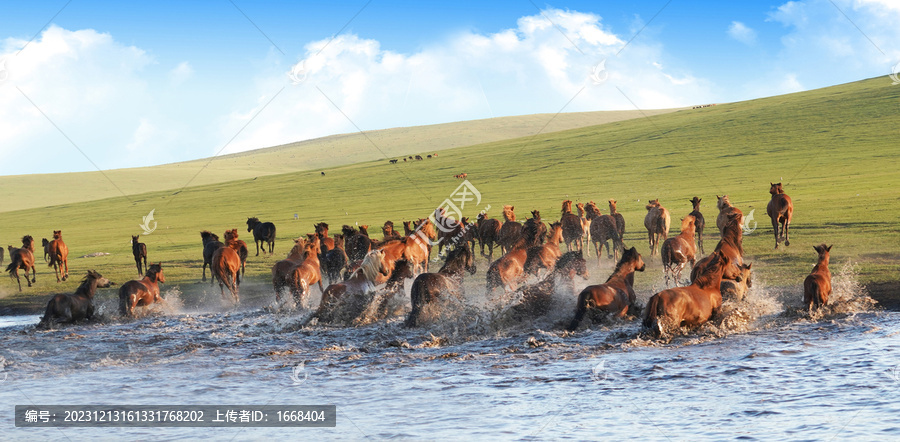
column 688, row 235
column 88, row 288
column 623, row 274
column 822, row 266
column 556, row 238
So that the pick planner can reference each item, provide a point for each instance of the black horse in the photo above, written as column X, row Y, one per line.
column 69, row 308
column 430, row 287
column 139, row 250
column 211, row 243
column 262, row 232
column 699, row 223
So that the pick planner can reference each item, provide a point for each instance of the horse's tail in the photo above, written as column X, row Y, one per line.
column 651, row 318
column 580, row 310
column 14, row 262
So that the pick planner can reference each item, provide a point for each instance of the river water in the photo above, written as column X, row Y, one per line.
column 763, row 370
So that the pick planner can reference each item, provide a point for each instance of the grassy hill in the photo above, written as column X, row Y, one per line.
column 319, row 153
column 834, row 148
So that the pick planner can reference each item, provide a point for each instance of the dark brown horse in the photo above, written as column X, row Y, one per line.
column 657, row 223
column 139, row 250
column 211, row 243
column 141, row 293
column 356, row 243
column 688, row 306
column 731, row 245
column 678, row 251
column 817, row 286
column 603, row 231
column 388, row 231
column 430, row 287
column 69, row 308
column 327, row 243
column 510, row 231
column 537, row 299
column 22, row 258
column 225, row 267
column 725, row 210
column 282, row 269
column 572, row 227
column 615, row 296
column 620, row 220
column 534, row 231
column 699, row 223
column 262, row 233
column 335, row 261
column 780, row 210
column 46, row 243
column 488, row 234
column 544, row 256
column 59, row 256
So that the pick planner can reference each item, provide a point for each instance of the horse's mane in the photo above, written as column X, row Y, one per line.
column 566, row 207
column 686, row 221
column 154, row 269
column 371, row 263
column 592, row 211
column 508, row 213
column 27, row 240
column 253, row 219
column 776, row 189
column 707, row 273
column 84, row 287
column 723, row 202
column 733, row 234
column 206, row 234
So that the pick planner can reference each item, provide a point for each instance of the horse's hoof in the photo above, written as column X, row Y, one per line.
column 787, row 243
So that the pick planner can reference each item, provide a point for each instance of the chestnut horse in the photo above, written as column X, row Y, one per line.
column 615, row 296
column 603, row 230
column 585, row 223
column 322, row 232
column 73, row 307
column 353, row 295
column 688, row 306
column 139, row 251
column 510, row 231
column 430, row 287
column 59, row 256
column 22, row 258
column 262, row 233
column 678, row 251
column 780, row 210
column 699, row 223
column 281, row 269
column 537, row 299
column 225, row 267
column 211, row 243
column 545, row 256
column 817, row 286
column 239, row 246
column 725, row 210
column 307, row 273
column 657, row 223
column 509, row 269
column 572, row 227
column 136, row 293
column 735, row 289
column 731, row 245
column 620, row 220
column 488, row 234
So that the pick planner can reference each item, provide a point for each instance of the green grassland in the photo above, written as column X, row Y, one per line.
column 326, row 152
column 834, row 148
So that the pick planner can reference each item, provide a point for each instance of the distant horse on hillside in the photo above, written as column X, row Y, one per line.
column 780, row 210
column 262, row 233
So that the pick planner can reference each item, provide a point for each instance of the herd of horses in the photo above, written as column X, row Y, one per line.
column 363, row 273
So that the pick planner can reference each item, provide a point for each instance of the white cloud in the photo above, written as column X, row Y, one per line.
column 742, row 33
column 181, row 73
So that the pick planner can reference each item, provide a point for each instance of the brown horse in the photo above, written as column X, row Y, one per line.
column 351, row 297
column 736, row 289
column 699, row 223
column 225, row 267
column 817, row 286
column 46, row 243
column 430, row 287
column 239, row 246
column 537, row 299
column 725, row 210
column 141, row 293
column 304, row 275
column 780, row 210
column 322, row 233
column 678, row 251
column 22, row 258
column 59, row 256
column 603, row 231
column 282, row 269
column 488, row 234
column 620, row 220
column 688, row 306
column 356, row 242
column 585, row 223
column 509, row 270
column 510, row 231
column 615, row 296
column 335, row 260
column 572, row 227
column 534, row 231
column 70, row 308
column 657, row 223
column 211, row 243
column 139, row 251
column 731, row 245
column 388, row 230
column 545, row 256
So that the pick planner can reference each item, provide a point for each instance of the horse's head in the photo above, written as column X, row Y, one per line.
column 44, row 242
column 823, row 251
column 93, row 275
column 695, row 202
column 27, row 241
column 634, row 258
column 251, row 223
column 687, row 223
column 776, row 188
column 722, row 201
column 322, row 229
column 57, row 234
column 567, row 207
column 134, row 239
column 745, row 274
column 612, row 205
column 653, row 204
column 536, row 215
column 338, row 239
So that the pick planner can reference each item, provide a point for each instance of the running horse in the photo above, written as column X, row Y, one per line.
column 431, row 287
column 657, row 223
column 239, row 246
column 509, row 270
column 689, row 306
column 59, row 256
column 604, row 229
column 615, row 296
column 545, row 255
column 510, row 230
column 281, row 269
column 678, row 251
column 351, row 297
column 620, row 220
column 488, row 234
column 141, row 293
column 226, row 266
column 537, row 299
column 780, row 210
column 73, row 307
column 22, row 258
column 572, row 227
column 262, row 233
column 725, row 210
column 305, row 274
column 699, row 223
column 731, row 245
column 211, row 243
column 139, row 251
column 817, row 286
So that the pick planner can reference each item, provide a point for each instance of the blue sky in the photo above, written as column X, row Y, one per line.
column 133, row 84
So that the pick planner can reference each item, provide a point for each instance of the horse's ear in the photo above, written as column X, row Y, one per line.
column 828, row 249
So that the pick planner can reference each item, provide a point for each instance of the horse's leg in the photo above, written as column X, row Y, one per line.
column 787, row 222
column 66, row 263
column 204, row 271
column 594, row 241
column 650, row 236
column 775, row 228
column 16, row 272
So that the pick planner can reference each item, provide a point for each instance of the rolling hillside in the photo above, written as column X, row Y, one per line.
column 834, row 148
